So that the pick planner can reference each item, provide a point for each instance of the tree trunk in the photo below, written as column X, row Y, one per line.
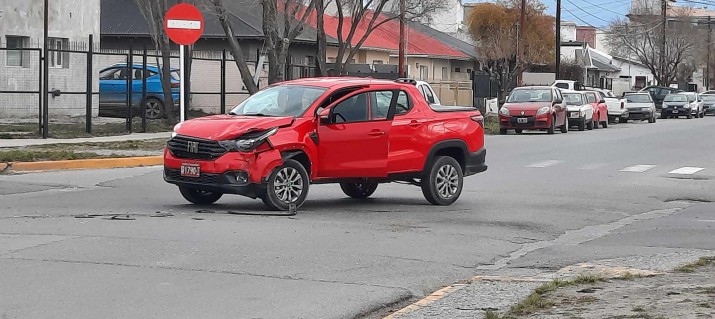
column 321, row 40
column 165, row 48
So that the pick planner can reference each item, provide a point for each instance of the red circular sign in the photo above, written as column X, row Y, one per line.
column 184, row 24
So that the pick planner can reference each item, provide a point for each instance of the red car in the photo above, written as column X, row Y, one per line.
column 355, row 132
column 600, row 109
column 534, row 108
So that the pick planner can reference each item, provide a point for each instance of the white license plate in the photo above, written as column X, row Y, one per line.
column 522, row 120
column 190, row 170
column 675, row 111
column 575, row 115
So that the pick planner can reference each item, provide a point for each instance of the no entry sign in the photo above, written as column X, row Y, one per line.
column 184, row 24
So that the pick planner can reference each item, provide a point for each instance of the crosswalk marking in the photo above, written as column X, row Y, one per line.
column 593, row 166
column 544, row 164
column 686, row 170
column 638, row 168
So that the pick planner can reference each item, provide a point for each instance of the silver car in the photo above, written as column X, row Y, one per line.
column 640, row 107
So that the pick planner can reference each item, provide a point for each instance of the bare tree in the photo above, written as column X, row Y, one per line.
column 357, row 19
column 153, row 12
column 641, row 38
column 280, row 28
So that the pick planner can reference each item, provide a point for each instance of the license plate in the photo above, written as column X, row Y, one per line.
column 522, row 120
column 575, row 115
column 190, row 170
column 675, row 111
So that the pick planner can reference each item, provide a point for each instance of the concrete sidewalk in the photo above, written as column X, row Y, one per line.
column 117, row 138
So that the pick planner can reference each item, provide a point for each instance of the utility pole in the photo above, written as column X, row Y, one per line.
column 707, row 65
column 558, row 39
column 520, row 43
column 401, row 54
column 664, row 12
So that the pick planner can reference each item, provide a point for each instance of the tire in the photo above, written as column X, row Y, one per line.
column 288, row 184
column 605, row 123
column 582, row 125
column 552, row 128
column 596, row 122
column 651, row 119
column 565, row 127
column 702, row 114
column 199, row 197
column 589, row 125
column 502, row 131
column 154, row 108
column 358, row 190
column 690, row 115
column 443, row 184
column 519, row 131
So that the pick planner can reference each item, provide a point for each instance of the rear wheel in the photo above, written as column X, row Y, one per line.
column 605, row 123
column 702, row 114
column 199, row 197
column 589, row 125
column 595, row 121
column 690, row 115
column 358, row 190
column 154, row 108
column 287, row 185
column 443, row 184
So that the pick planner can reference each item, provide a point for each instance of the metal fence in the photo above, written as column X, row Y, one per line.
column 90, row 90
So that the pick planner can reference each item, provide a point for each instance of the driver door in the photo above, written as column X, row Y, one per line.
column 353, row 139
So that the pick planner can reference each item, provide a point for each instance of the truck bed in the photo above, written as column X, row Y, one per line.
column 457, row 108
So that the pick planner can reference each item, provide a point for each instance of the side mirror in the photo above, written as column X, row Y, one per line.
column 558, row 101
column 324, row 117
column 602, row 101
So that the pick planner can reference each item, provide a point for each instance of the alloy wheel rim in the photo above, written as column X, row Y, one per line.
column 447, row 181
column 288, row 185
column 152, row 109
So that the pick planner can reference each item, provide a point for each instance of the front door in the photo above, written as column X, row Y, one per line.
column 355, row 142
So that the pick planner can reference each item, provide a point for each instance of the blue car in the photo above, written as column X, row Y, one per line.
column 113, row 91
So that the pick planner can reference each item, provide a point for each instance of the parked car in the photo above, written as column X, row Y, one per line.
column 658, row 93
column 641, row 107
column 677, row 105
column 600, row 109
column 696, row 104
column 568, row 85
column 617, row 110
column 534, row 108
column 113, row 91
column 708, row 103
column 580, row 112
column 355, row 132
column 428, row 93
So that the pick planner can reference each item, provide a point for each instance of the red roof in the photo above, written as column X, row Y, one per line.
column 387, row 37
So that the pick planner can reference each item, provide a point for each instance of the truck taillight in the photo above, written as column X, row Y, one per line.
column 175, row 85
column 479, row 119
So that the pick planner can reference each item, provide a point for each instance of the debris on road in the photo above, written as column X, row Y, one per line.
column 161, row 214
column 121, row 217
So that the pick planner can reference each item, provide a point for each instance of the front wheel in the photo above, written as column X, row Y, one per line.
column 443, row 184
column 287, row 185
column 582, row 125
column 519, row 131
column 595, row 121
column 651, row 119
column 552, row 128
column 199, row 197
column 565, row 127
column 605, row 123
column 358, row 190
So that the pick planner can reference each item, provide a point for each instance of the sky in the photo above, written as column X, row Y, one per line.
column 587, row 12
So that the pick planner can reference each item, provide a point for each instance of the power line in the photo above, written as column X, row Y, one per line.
column 599, row 6
column 586, row 12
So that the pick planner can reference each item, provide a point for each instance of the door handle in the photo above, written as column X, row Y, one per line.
column 415, row 123
column 376, row 133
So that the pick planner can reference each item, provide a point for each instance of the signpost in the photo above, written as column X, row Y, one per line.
column 184, row 25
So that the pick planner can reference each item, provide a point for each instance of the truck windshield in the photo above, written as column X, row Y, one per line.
column 675, row 98
column 530, row 95
column 573, row 99
column 638, row 98
column 282, row 100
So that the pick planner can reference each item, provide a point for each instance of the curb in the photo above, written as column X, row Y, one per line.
column 83, row 164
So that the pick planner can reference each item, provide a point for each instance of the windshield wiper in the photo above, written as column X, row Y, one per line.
column 256, row 114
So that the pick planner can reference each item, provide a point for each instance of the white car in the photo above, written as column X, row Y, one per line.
column 428, row 93
column 616, row 106
column 579, row 110
column 640, row 107
column 568, row 85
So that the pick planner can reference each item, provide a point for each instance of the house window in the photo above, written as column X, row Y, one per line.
column 469, row 71
column 424, row 72
column 57, row 58
column 457, row 70
column 17, row 57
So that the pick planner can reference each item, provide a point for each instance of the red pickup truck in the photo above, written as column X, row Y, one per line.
column 352, row 131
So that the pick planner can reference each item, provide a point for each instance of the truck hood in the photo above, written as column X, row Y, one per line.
column 532, row 107
column 226, row 127
column 577, row 108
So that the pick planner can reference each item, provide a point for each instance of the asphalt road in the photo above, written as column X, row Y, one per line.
column 545, row 202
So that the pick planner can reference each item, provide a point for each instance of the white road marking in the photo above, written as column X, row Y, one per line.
column 638, row 168
column 183, row 24
column 593, row 166
column 686, row 170
column 545, row 164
